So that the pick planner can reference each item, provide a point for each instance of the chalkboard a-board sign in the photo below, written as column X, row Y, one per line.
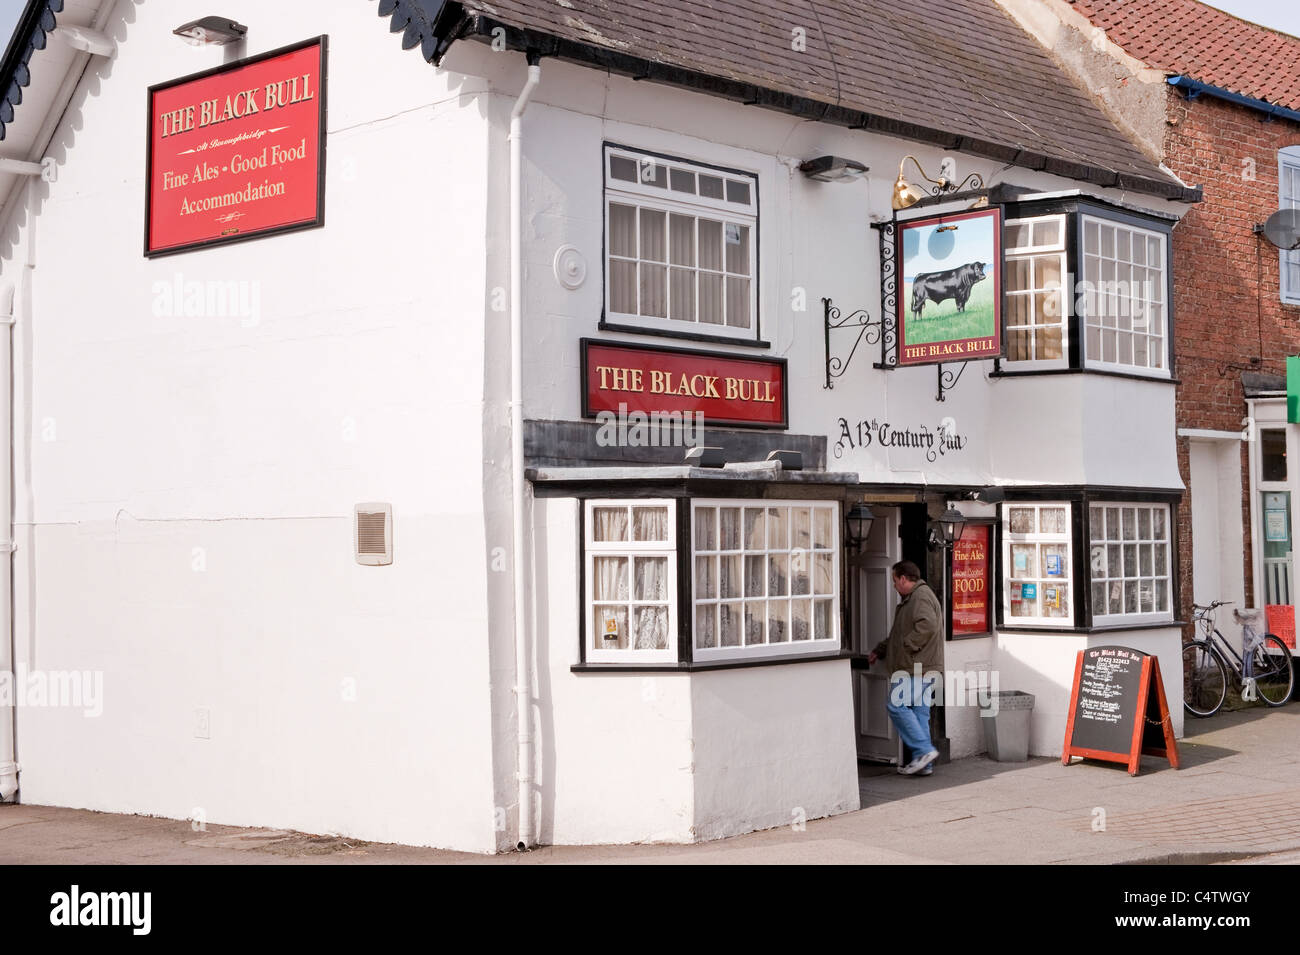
column 1118, row 709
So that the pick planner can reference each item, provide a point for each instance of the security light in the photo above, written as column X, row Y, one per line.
column 832, row 169
column 216, row 31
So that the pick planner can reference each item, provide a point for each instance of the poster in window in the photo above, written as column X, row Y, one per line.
column 950, row 301
column 1029, row 591
column 1275, row 524
column 1053, row 565
column 971, row 581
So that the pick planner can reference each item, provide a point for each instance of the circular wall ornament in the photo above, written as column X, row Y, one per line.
column 570, row 267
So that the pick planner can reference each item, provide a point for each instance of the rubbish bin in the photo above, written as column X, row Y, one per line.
column 1006, row 729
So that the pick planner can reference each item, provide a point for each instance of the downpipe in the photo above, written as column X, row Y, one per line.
column 522, row 566
column 8, row 728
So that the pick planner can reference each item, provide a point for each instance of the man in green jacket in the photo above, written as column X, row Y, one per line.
column 913, row 652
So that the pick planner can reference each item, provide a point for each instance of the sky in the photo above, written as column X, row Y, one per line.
column 1281, row 15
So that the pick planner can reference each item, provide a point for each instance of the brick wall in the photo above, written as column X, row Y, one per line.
column 1227, row 312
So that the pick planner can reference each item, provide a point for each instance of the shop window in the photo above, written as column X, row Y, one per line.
column 1288, row 179
column 1130, row 563
column 1037, row 564
column 631, row 581
column 765, row 576
column 1037, row 317
column 1124, row 297
column 681, row 245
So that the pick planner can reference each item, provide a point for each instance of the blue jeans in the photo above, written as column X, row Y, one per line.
column 910, row 712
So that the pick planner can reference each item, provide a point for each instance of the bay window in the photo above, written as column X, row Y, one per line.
column 1037, row 557
column 765, row 577
column 1125, row 291
column 1130, row 562
column 1037, row 320
column 762, row 578
column 1087, row 289
column 1116, row 555
column 681, row 245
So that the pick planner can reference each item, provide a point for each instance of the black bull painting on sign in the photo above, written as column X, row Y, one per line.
column 938, row 286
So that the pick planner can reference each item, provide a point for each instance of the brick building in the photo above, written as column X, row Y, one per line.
column 1216, row 99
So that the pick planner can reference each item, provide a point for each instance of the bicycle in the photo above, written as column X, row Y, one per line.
column 1266, row 669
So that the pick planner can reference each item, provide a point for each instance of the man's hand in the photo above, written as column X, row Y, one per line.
column 872, row 658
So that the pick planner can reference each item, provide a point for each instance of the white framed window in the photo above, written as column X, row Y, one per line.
column 1130, row 563
column 1036, row 564
column 765, row 578
column 1288, row 189
column 631, row 581
column 1125, row 298
column 1037, row 320
column 681, row 245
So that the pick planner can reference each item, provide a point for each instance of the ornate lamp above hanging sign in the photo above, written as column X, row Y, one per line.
column 237, row 152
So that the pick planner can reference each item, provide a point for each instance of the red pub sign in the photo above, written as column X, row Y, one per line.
column 237, row 152
column 727, row 390
column 971, row 581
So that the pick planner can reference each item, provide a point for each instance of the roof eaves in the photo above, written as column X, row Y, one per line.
column 36, row 22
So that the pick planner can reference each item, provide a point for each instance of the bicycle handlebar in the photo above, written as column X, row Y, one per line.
column 1213, row 604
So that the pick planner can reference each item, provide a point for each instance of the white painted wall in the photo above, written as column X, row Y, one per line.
column 185, row 484
column 774, row 746
column 1217, row 535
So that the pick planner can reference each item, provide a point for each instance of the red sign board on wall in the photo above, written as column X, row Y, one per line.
column 971, row 581
column 727, row 390
column 237, row 152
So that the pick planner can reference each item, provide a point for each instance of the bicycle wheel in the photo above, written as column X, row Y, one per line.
column 1205, row 679
column 1274, row 676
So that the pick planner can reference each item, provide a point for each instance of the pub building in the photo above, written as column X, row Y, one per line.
column 522, row 459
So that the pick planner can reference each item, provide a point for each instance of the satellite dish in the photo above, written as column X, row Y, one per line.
column 1283, row 229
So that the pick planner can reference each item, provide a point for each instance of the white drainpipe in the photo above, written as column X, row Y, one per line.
column 8, row 740
column 522, row 605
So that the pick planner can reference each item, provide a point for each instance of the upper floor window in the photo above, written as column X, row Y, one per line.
column 681, row 243
column 1037, row 319
column 1288, row 182
column 1125, row 297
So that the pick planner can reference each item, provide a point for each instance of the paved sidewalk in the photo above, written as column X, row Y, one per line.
column 1237, row 797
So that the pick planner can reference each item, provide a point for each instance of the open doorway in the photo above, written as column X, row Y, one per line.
column 899, row 532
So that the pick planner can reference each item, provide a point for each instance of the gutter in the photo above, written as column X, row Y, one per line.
column 1195, row 88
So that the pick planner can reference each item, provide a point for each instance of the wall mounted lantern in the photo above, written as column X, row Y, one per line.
column 857, row 525
column 907, row 194
column 947, row 530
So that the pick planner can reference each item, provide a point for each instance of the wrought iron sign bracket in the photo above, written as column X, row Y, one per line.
column 868, row 331
column 948, row 379
column 888, row 294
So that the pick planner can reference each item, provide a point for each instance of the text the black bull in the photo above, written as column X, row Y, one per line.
column 937, row 286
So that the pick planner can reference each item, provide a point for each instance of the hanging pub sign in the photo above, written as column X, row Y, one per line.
column 950, row 293
column 726, row 390
column 1118, row 709
column 971, row 581
column 237, row 152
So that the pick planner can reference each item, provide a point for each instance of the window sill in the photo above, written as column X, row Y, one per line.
column 1092, row 631
column 605, row 326
column 692, row 667
column 1003, row 372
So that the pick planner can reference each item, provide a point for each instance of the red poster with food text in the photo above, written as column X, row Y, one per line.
column 237, row 152
column 970, row 581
